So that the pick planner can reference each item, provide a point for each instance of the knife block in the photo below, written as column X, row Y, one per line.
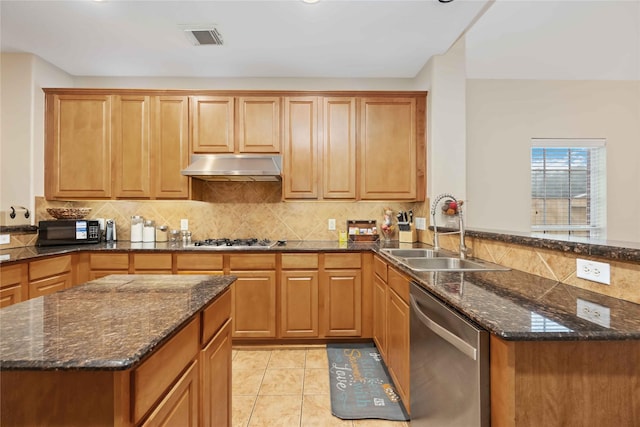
column 408, row 236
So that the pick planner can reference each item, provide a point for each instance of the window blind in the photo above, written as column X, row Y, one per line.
column 568, row 186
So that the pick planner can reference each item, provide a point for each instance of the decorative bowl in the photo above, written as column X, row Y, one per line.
column 68, row 213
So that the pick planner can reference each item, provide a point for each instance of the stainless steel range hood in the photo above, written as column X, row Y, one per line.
column 235, row 167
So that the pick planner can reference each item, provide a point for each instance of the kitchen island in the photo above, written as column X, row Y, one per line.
column 122, row 350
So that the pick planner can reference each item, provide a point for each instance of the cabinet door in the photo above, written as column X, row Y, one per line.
column 254, row 304
column 342, row 303
column 180, row 406
column 259, row 123
column 131, row 152
column 212, row 123
column 170, row 147
column 398, row 343
column 78, row 146
column 216, row 379
column 388, row 148
column 380, row 315
column 300, row 156
column 299, row 304
column 13, row 284
column 339, row 148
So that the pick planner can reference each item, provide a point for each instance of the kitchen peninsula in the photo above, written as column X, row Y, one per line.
column 122, row 350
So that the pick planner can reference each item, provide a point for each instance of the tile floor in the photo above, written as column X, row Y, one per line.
column 286, row 387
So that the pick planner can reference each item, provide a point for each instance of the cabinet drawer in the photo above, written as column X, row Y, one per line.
column 156, row 374
column 152, row 261
column 10, row 295
column 252, row 262
column 13, row 275
column 49, row 267
column 399, row 283
column 195, row 262
column 38, row 288
column 298, row 261
column 109, row 262
column 214, row 316
column 380, row 267
column 342, row 260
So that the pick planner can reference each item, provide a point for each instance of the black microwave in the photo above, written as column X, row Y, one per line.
column 68, row 232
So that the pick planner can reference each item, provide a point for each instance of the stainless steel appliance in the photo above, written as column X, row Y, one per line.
column 225, row 243
column 68, row 232
column 449, row 366
column 110, row 233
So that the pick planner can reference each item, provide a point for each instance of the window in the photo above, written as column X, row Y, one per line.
column 568, row 187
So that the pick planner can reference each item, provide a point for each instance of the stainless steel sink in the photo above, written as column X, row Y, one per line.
column 412, row 253
column 450, row 264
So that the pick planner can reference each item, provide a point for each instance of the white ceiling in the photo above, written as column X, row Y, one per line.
column 286, row 38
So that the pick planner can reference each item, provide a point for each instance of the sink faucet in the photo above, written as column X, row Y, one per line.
column 436, row 241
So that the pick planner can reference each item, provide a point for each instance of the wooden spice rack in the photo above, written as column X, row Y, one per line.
column 363, row 230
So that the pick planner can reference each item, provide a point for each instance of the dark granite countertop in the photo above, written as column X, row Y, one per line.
column 112, row 323
column 510, row 304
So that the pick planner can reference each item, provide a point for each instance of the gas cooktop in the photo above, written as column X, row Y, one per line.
column 224, row 243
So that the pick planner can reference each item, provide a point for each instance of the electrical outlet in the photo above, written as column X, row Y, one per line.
column 5, row 239
column 595, row 313
column 332, row 224
column 595, row 271
column 184, row 224
column 421, row 223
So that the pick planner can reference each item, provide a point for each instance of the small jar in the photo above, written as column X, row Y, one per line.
column 137, row 224
column 186, row 237
column 149, row 231
column 162, row 233
column 174, row 236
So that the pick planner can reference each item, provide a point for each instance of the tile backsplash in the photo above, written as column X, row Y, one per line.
column 237, row 210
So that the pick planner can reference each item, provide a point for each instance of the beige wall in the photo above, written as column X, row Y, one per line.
column 503, row 116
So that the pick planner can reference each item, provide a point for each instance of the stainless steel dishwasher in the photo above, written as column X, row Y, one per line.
column 449, row 366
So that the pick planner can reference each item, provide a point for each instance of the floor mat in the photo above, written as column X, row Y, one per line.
column 360, row 384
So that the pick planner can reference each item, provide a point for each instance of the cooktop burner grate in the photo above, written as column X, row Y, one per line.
column 235, row 243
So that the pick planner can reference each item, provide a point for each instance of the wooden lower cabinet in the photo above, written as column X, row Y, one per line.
column 203, row 263
column 565, row 383
column 152, row 263
column 180, row 406
column 299, row 304
column 341, row 290
column 380, row 315
column 398, row 344
column 49, row 275
column 215, row 366
column 254, row 295
column 185, row 382
column 391, row 324
column 13, row 284
column 104, row 264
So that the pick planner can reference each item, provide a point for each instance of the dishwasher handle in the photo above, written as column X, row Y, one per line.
column 464, row 347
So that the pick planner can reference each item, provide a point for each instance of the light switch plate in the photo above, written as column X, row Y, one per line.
column 592, row 270
column 332, row 224
column 595, row 313
column 184, row 224
column 5, row 239
column 421, row 223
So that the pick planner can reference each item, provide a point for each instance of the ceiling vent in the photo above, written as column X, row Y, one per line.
column 203, row 35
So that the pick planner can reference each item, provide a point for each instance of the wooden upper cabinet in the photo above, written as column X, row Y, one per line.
column 339, row 148
column 212, row 124
column 388, row 148
column 300, row 154
column 131, row 152
column 170, row 146
column 258, row 124
column 78, row 146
